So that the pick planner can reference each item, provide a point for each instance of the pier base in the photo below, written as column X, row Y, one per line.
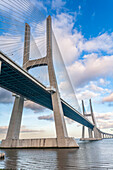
column 90, row 139
column 38, row 143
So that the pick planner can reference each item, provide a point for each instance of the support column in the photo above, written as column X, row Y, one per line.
column 83, row 127
column 83, row 131
column 91, row 109
column 90, row 133
column 97, row 134
column 61, row 130
column 15, row 121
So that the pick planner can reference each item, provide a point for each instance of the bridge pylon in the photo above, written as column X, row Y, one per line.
column 61, row 131
column 62, row 140
column 95, row 133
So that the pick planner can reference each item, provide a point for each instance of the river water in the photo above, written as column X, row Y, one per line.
column 95, row 155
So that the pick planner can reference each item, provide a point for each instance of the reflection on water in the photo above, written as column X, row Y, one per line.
column 91, row 155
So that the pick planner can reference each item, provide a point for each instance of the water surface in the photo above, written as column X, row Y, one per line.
column 96, row 155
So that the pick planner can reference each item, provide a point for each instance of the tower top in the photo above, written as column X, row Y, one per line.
column 49, row 17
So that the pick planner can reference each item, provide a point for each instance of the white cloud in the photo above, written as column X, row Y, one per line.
column 68, row 42
column 90, row 68
column 38, row 4
column 79, row 7
column 103, row 42
column 92, row 90
column 87, row 94
column 58, row 4
column 5, row 96
column 46, row 117
column 103, row 81
column 33, row 106
column 105, row 124
column 105, row 116
column 96, row 88
column 51, row 118
column 72, row 43
column 108, row 98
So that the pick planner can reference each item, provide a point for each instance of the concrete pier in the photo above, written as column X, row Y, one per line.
column 38, row 143
column 90, row 139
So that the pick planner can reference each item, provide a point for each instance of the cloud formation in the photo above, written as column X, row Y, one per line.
column 102, row 42
column 104, row 120
column 46, row 117
column 108, row 98
column 24, row 129
column 72, row 43
column 51, row 118
column 57, row 4
column 33, row 106
column 5, row 96
column 90, row 68
column 38, row 4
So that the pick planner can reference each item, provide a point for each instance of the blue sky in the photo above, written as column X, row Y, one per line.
column 84, row 32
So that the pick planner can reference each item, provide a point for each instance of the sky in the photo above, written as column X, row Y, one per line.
column 84, row 33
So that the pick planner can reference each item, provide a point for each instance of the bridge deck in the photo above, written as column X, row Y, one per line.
column 17, row 80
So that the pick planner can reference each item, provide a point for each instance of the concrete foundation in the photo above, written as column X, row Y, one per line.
column 90, row 139
column 38, row 143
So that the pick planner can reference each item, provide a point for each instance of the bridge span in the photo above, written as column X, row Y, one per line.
column 18, row 81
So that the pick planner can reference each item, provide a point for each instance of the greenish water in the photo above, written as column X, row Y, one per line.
column 96, row 155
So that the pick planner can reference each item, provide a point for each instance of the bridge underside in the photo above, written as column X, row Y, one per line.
column 17, row 80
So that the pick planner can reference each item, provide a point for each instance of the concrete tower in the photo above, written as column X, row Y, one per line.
column 97, row 134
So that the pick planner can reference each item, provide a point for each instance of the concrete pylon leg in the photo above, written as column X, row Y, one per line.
column 83, row 127
column 61, row 131
column 83, row 131
column 15, row 121
column 96, row 133
column 90, row 133
column 59, row 117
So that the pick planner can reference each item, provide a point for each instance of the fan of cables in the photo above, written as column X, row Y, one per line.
column 13, row 16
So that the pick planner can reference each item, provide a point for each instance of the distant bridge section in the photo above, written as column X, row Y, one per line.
column 105, row 135
column 19, row 81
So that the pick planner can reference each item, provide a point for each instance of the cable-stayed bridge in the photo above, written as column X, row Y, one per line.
column 17, row 80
